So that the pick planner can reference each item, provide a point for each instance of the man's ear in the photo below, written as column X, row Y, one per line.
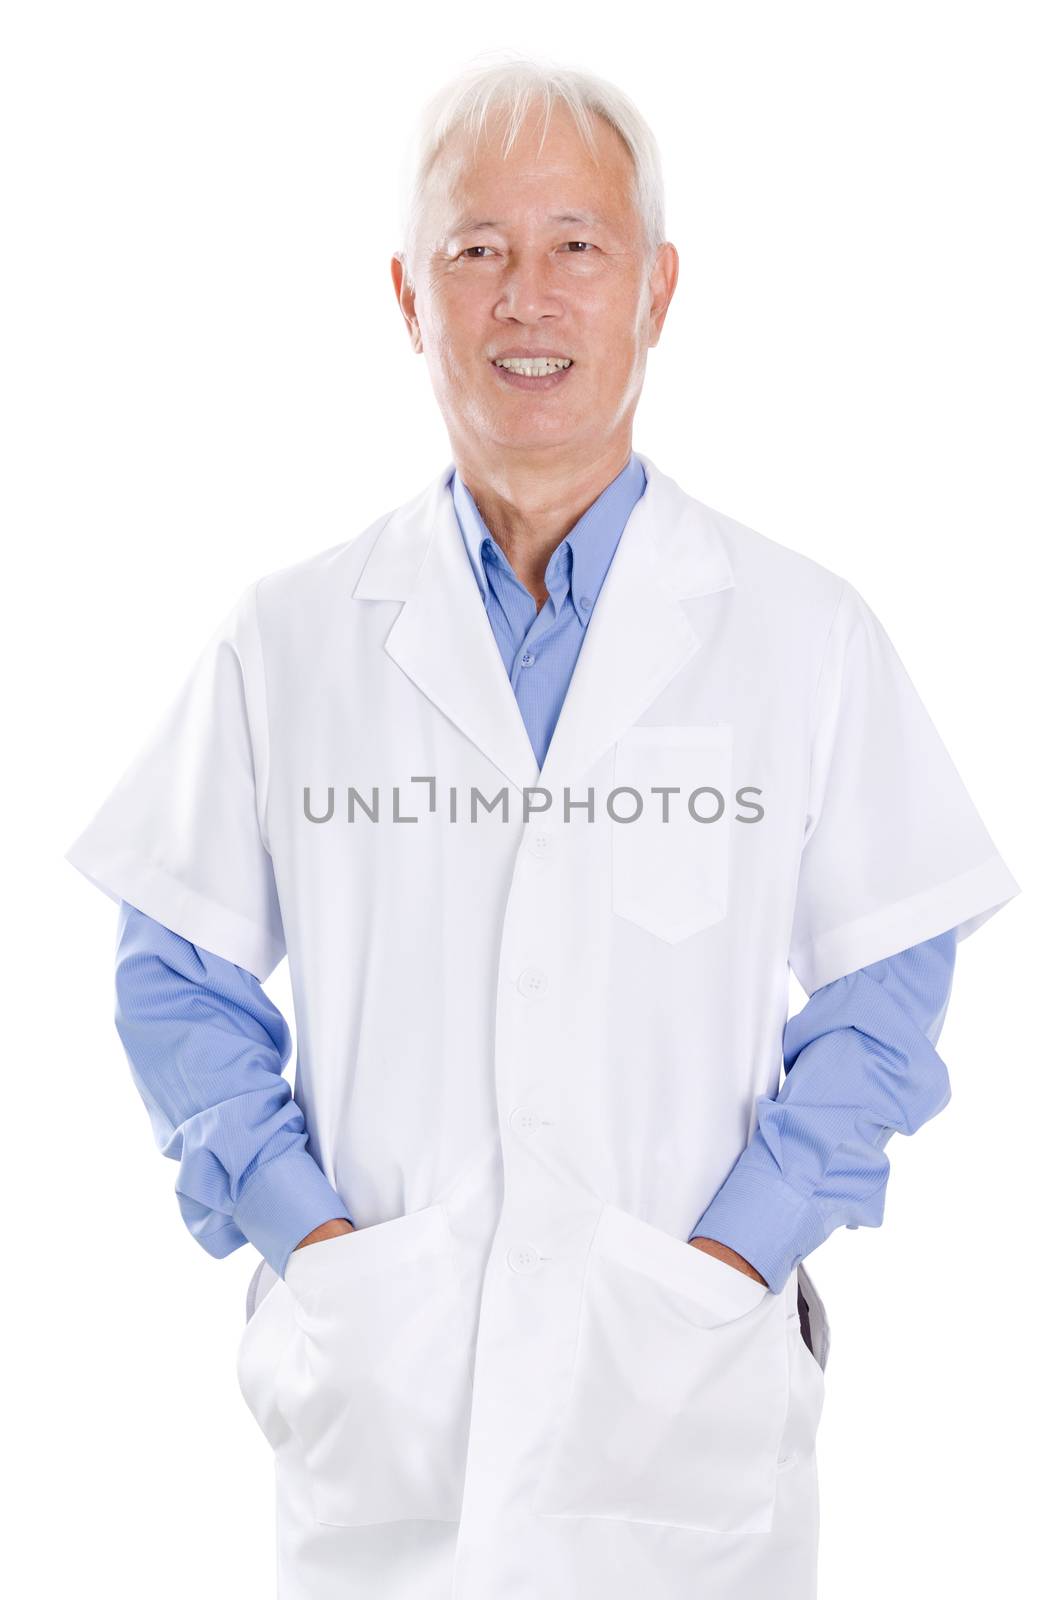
column 406, row 298
column 663, row 282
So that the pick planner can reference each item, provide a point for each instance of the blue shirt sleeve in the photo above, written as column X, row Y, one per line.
column 207, row 1050
column 860, row 1064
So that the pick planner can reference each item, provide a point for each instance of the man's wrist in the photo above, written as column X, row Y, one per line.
column 327, row 1230
column 724, row 1252
column 281, row 1203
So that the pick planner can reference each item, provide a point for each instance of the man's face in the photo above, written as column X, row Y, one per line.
column 536, row 254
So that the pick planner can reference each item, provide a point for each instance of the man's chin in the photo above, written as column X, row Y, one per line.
column 537, row 433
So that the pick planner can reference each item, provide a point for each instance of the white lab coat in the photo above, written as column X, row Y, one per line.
column 528, row 1052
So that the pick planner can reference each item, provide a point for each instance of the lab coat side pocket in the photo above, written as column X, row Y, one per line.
column 670, row 861
column 808, row 1342
column 267, row 1333
column 377, row 1384
column 679, row 1391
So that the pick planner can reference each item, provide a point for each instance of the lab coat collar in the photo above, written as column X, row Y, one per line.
column 639, row 639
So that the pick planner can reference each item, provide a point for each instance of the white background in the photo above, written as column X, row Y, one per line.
column 205, row 376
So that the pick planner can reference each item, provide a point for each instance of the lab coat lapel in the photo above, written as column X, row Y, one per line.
column 640, row 635
column 442, row 637
column 638, row 638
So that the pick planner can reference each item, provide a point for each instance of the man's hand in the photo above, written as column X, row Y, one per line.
column 327, row 1230
column 714, row 1247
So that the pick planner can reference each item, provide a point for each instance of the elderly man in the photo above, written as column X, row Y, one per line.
column 541, row 783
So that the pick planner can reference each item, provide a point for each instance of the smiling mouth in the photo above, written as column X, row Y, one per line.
column 533, row 366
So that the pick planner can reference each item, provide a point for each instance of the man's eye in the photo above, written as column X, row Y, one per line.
column 577, row 246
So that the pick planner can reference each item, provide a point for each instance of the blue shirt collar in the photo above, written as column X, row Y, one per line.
column 589, row 547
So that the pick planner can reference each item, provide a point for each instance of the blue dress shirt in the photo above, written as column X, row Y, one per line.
column 539, row 648
column 860, row 1064
column 207, row 1047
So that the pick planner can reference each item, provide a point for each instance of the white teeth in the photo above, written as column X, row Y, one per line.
column 533, row 367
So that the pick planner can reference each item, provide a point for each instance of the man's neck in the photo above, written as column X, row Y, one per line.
column 530, row 509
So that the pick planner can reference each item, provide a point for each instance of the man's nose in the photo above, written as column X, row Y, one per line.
column 528, row 291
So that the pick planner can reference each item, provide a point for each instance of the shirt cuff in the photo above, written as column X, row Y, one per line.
column 764, row 1220
column 282, row 1201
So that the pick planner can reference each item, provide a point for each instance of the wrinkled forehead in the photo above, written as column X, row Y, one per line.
column 549, row 172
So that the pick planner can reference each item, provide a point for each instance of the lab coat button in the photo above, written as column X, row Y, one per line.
column 523, row 1258
column 532, row 982
column 540, row 843
column 524, row 1120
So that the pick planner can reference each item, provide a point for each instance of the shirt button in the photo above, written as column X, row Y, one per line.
column 527, row 659
column 532, row 982
column 523, row 1258
column 585, row 602
column 524, row 1119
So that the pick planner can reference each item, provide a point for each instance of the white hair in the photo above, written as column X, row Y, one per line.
column 514, row 84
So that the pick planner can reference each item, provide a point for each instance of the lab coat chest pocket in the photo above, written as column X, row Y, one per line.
column 376, row 1382
column 670, row 862
column 679, row 1392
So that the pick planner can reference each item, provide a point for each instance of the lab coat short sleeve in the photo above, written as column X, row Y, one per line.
column 894, row 851
column 182, row 835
